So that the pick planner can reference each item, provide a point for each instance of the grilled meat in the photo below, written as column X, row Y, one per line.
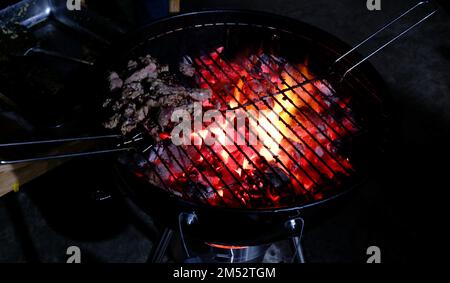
column 145, row 96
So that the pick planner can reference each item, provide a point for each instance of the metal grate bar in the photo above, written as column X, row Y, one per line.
column 278, row 161
column 320, row 104
column 301, row 98
column 288, row 126
column 241, row 185
column 228, row 169
column 252, row 147
column 166, row 188
column 302, row 85
column 200, row 171
column 238, row 198
column 305, row 129
column 175, row 177
column 188, row 175
column 348, row 82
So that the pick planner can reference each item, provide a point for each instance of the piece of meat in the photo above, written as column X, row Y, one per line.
column 132, row 65
column 141, row 113
column 200, row 94
column 129, row 111
column 132, row 90
column 164, row 116
column 128, row 126
column 148, row 72
column 107, row 102
column 115, row 82
column 147, row 95
column 112, row 122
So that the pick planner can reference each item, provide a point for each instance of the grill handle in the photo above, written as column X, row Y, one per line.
column 121, row 145
column 421, row 5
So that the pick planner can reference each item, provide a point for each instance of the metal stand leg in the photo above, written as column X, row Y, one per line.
column 299, row 257
column 297, row 225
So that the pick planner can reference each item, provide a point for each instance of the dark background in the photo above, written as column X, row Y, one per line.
column 401, row 210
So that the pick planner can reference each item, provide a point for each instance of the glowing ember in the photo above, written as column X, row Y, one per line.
column 295, row 158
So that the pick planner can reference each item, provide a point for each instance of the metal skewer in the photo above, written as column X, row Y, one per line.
column 389, row 42
column 120, row 147
column 60, row 140
column 341, row 77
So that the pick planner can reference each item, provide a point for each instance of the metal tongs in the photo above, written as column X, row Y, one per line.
column 333, row 75
column 121, row 145
column 422, row 4
column 128, row 144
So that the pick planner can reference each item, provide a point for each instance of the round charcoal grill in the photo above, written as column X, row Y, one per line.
column 331, row 133
column 325, row 136
column 322, row 124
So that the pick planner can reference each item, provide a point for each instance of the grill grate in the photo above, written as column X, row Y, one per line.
column 320, row 120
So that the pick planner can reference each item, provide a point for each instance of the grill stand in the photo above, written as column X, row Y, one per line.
column 299, row 257
column 218, row 254
column 297, row 225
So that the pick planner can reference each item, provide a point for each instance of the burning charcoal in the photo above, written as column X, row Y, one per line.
column 154, row 153
column 278, row 60
column 324, row 87
column 319, row 151
column 209, row 193
column 196, row 191
column 279, row 178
